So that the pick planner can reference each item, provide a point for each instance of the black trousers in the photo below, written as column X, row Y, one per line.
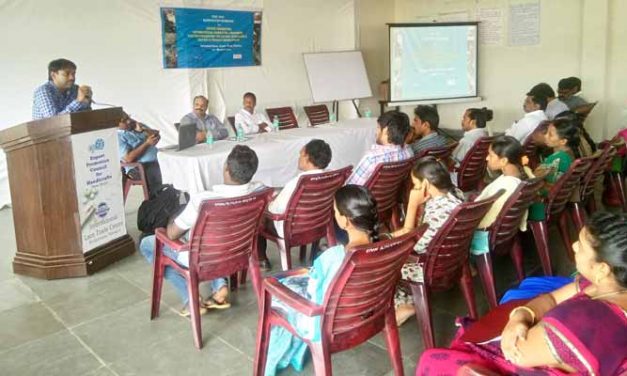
column 153, row 175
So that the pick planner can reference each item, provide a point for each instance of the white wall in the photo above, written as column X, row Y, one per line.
column 117, row 47
column 507, row 73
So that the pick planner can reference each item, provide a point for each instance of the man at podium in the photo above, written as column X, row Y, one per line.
column 60, row 95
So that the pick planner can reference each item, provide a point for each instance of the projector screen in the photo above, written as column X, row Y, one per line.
column 433, row 61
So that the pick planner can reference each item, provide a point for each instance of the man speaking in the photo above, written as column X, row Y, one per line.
column 60, row 95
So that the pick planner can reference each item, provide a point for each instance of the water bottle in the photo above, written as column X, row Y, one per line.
column 209, row 139
column 275, row 123
column 367, row 112
column 240, row 133
column 332, row 118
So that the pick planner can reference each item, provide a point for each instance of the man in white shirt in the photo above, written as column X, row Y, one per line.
column 534, row 107
column 239, row 168
column 313, row 159
column 250, row 120
column 554, row 106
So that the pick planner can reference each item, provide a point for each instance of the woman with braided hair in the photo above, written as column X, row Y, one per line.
column 356, row 213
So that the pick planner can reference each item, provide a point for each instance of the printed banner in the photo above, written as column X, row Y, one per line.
column 98, row 187
column 207, row 38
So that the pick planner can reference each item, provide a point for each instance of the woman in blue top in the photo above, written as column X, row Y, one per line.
column 356, row 213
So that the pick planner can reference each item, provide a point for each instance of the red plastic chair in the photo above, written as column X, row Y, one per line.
column 445, row 262
column 442, row 153
column 221, row 244
column 287, row 119
column 318, row 114
column 472, row 169
column 555, row 207
column 357, row 305
column 385, row 184
column 309, row 214
column 503, row 237
column 128, row 182
column 600, row 163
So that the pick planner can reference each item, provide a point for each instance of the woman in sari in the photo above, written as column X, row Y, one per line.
column 356, row 213
column 580, row 328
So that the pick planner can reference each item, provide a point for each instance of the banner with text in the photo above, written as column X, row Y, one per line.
column 208, row 38
column 98, row 187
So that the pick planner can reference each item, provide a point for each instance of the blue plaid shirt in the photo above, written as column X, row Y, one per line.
column 48, row 101
column 374, row 157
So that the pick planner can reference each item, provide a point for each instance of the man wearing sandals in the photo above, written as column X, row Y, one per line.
column 240, row 166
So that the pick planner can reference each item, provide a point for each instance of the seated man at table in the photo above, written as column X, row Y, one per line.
column 136, row 143
column 425, row 126
column 60, row 95
column 239, row 168
column 313, row 159
column 205, row 122
column 392, row 129
column 249, row 119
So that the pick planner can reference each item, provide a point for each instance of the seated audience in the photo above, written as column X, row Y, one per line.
column 205, row 122
column 473, row 124
column 392, row 128
column 434, row 189
column 136, row 143
column 562, row 137
column 580, row 328
column 425, row 127
column 60, row 95
column 554, row 106
column 239, row 168
column 534, row 107
column 567, row 89
column 313, row 159
column 249, row 119
column 355, row 212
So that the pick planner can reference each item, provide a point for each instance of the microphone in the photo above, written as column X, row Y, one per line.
column 101, row 103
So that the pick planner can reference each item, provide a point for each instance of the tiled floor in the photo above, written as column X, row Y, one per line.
column 100, row 325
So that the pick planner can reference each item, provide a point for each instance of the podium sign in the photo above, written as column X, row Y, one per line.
column 98, row 180
column 66, row 191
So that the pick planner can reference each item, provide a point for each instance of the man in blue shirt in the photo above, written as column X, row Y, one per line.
column 136, row 143
column 205, row 122
column 60, row 95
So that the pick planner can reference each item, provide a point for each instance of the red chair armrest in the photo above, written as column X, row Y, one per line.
column 290, row 273
column 175, row 245
column 273, row 216
column 290, row 298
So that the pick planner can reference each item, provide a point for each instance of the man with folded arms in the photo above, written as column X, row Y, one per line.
column 205, row 122
column 60, row 95
column 249, row 119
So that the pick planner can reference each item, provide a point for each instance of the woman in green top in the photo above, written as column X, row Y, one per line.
column 563, row 137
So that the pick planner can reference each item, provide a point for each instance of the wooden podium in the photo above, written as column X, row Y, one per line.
column 50, row 229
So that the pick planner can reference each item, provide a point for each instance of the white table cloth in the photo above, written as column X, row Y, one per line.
column 200, row 167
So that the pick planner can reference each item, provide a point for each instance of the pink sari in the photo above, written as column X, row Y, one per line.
column 588, row 335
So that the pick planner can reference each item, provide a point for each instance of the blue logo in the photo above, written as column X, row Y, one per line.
column 102, row 210
column 99, row 144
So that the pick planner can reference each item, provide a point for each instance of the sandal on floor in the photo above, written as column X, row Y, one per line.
column 211, row 303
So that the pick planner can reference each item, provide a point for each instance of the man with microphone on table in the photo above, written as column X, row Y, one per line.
column 60, row 95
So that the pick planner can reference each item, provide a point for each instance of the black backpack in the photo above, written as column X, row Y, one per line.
column 165, row 203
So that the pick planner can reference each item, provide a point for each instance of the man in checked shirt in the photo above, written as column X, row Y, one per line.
column 60, row 95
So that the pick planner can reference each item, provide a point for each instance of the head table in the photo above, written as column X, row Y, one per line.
column 201, row 166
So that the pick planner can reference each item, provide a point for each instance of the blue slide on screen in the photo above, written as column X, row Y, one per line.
column 430, row 61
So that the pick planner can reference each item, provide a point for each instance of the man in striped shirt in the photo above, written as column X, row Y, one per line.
column 392, row 129
column 425, row 125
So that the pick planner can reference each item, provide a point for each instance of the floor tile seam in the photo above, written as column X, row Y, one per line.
column 162, row 302
column 234, row 348
column 71, row 331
